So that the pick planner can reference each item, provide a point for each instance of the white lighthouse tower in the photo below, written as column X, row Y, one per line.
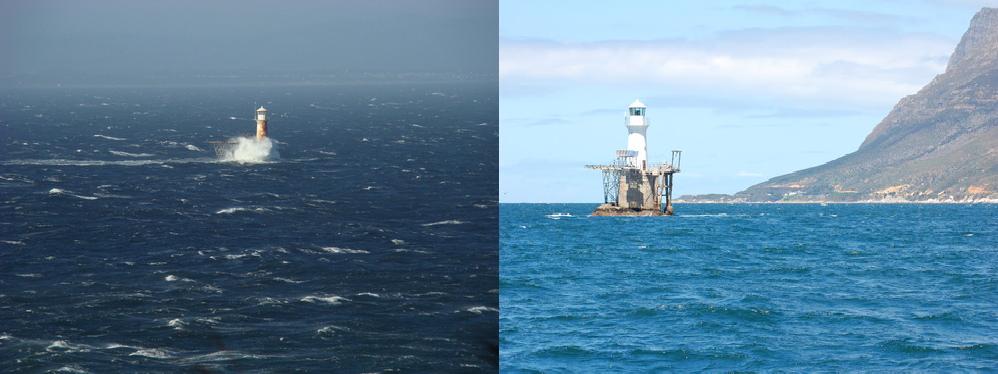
column 637, row 125
column 261, row 123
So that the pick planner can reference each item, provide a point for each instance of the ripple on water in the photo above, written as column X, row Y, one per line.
column 747, row 288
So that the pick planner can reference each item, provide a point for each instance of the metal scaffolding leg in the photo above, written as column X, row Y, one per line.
column 668, row 195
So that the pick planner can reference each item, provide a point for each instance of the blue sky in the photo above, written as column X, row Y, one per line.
column 749, row 90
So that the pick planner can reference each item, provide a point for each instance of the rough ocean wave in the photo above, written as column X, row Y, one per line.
column 180, row 262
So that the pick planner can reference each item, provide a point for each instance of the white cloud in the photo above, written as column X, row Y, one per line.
column 841, row 65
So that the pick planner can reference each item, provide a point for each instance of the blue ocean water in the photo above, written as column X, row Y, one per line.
column 767, row 287
column 126, row 245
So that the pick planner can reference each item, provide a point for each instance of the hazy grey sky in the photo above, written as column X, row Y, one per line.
column 122, row 41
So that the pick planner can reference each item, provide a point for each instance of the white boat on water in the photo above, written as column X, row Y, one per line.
column 558, row 215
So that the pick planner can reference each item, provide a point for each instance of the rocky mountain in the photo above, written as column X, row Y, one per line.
column 940, row 144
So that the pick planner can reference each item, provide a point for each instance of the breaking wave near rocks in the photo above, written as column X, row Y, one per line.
column 246, row 149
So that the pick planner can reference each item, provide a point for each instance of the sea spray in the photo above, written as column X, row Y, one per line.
column 249, row 150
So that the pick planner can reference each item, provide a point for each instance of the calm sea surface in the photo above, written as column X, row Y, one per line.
column 369, row 246
column 750, row 288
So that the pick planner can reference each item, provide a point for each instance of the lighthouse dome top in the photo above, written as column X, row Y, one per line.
column 262, row 109
column 637, row 104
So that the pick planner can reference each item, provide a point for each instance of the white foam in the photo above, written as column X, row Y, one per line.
column 152, row 353
column 401, row 250
column 481, row 309
column 62, row 345
column 240, row 209
column 447, row 222
column 325, row 299
column 286, row 280
column 59, row 191
column 108, row 137
column 116, row 346
column 398, row 241
column 174, row 278
column 250, row 150
column 271, row 301
column 176, row 323
column 338, row 250
column 72, row 369
column 330, row 330
column 29, row 275
column 194, row 148
column 431, row 293
column 128, row 154
column 371, row 294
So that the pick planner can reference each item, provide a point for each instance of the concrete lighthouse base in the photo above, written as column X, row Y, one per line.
column 639, row 193
column 610, row 210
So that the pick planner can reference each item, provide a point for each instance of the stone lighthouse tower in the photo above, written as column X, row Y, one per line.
column 637, row 126
column 261, row 123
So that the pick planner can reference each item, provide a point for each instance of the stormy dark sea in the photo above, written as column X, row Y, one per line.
column 370, row 245
column 750, row 288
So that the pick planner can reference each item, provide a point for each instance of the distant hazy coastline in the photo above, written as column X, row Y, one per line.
column 738, row 200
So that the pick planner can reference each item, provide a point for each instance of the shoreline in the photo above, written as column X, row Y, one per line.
column 790, row 202
column 983, row 201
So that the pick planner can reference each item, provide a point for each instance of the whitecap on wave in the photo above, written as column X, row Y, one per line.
column 64, row 346
column 176, row 323
column 72, row 369
column 152, row 353
column 174, row 278
column 338, row 250
column 481, row 309
column 240, row 209
column 129, row 154
column 59, row 191
column 325, row 299
column 447, row 222
column 108, row 137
